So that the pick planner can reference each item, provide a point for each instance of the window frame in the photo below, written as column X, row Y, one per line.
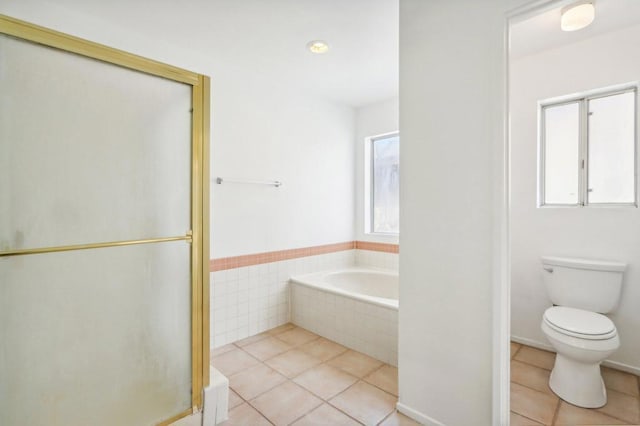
column 583, row 99
column 370, row 184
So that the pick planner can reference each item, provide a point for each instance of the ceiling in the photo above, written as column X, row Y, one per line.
column 543, row 32
column 268, row 38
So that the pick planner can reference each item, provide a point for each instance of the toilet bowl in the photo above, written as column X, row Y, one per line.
column 582, row 340
column 582, row 291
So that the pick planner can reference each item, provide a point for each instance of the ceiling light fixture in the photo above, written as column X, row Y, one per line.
column 318, row 46
column 578, row 15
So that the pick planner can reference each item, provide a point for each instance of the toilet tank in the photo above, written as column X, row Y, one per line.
column 592, row 285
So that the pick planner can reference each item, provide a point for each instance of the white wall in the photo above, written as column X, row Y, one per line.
column 261, row 129
column 371, row 120
column 597, row 233
column 274, row 135
column 451, row 97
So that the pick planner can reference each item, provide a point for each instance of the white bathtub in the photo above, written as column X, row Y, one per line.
column 379, row 287
column 356, row 307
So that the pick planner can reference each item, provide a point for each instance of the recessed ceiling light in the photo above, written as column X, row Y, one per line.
column 577, row 16
column 318, row 46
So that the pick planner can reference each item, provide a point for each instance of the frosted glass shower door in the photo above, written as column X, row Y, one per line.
column 90, row 151
column 95, row 337
column 96, row 254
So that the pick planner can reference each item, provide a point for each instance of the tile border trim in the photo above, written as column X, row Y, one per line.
column 223, row 263
column 383, row 247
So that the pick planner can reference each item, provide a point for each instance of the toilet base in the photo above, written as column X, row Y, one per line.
column 578, row 383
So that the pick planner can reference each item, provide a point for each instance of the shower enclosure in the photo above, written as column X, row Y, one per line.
column 103, row 233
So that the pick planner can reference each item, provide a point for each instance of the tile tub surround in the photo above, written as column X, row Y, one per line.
column 533, row 402
column 362, row 326
column 377, row 259
column 249, row 294
column 306, row 380
column 251, row 299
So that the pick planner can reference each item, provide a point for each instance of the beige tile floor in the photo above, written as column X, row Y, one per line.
column 533, row 403
column 289, row 375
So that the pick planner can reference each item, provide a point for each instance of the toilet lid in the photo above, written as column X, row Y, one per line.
column 580, row 323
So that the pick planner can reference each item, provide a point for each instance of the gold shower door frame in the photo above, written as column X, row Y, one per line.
column 198, row 236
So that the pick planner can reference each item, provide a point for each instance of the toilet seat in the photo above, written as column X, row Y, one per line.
column 579, row 323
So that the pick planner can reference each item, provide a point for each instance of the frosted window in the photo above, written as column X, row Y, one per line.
column 89, row 151
column 611, row 149
column 562, row 142
column 385, row 184
column 589, row 149
column 96, row 337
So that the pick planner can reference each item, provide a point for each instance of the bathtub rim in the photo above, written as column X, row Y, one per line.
column 313, row 280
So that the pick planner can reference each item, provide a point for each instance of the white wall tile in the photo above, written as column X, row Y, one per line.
column 364, row 327
column 376, row 259
column 251, row 299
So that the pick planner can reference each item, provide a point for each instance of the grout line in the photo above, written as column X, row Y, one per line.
column 300, row 372
column 626, row 422
column 282, row 331
column 260, row 412
column 534, row 389
column 298, row 418
column 347, row 414
column 386, row 417
column 346, row 349
column 528, row 363
column 613, row 415
column 261, row 393
column 638, row 399
column 556, row 411
column 264, row 335
column 252, row 356
column 301, row 344
column 528, row 418
column 517, row 350
column 560, row 400
column 239, row 396
column 623, row 392
column 250, row 406
column 364, row 379
column 375, row 369
column 287, row 379
column 312, row 409
column 256, row 365
column 343, row 391
column 328, row 401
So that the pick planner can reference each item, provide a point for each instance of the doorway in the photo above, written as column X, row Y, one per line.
column 570, row 211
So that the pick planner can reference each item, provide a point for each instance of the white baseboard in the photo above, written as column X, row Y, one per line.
column 418, row 416
column 533, row 343
column 607, row 363
column 622, row 367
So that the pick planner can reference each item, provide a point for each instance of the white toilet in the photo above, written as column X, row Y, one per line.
column 581, row 291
